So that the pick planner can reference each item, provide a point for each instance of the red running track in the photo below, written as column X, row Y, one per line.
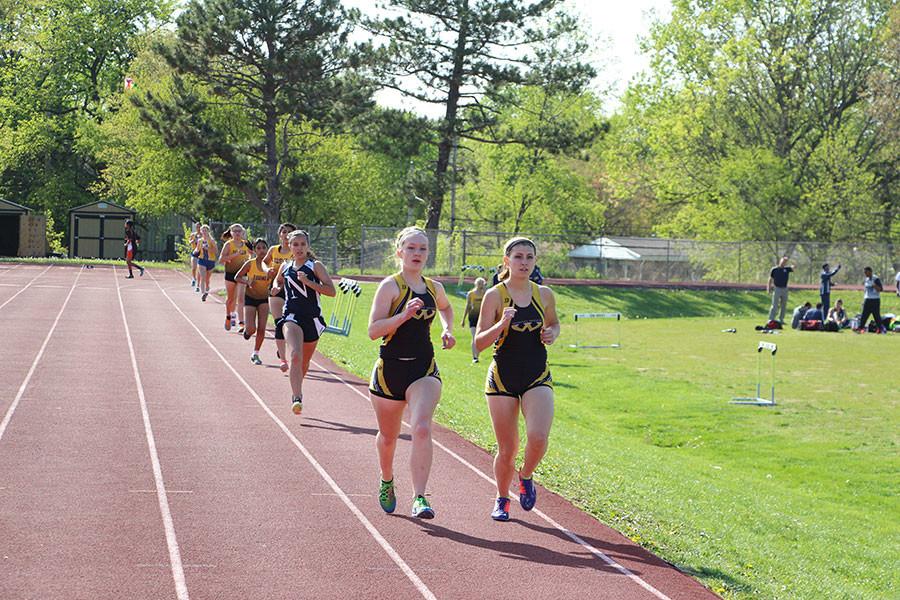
column 142, row 455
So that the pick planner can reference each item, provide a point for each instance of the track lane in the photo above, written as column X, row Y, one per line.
column 259, row 520
column 77, row 521
column 462, row 540
column 25, row 324
column 16, row 282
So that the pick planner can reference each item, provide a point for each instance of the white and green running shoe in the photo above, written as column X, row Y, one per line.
column 421, row 509
column 297, row 404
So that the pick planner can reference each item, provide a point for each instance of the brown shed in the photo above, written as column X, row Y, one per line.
column 97, row 230
column 21, row 233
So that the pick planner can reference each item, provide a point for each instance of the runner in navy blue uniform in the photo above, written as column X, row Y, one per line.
column 303, row 278
column 405, row 372
column 519, row 318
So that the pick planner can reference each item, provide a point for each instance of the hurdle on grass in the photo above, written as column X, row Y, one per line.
column 759, row 400
column 341, row 318
column 611, row 315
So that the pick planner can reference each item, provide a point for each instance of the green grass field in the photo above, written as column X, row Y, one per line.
column 793, row 501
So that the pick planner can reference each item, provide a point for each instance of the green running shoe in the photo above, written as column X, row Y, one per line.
column 421, row 509
column 386, row 496
column 297, row 404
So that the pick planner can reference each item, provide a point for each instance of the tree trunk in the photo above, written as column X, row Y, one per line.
column 448, row 133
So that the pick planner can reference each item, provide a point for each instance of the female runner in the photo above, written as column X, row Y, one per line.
column 256, row 278
column 235, row 253
column 473, row 308
column 303, row 278
column 519, row 317
column 194, row 241
column 405, row 372
column 275, row 258
column 206, row 260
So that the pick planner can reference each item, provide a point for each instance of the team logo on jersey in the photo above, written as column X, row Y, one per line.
column 526, row 326
column 301, row 289
column 425, row 313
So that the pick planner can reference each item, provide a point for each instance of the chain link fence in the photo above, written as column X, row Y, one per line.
column 370, row 250
column 585, row 256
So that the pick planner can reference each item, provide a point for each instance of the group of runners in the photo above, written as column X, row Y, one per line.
column 517, row 317
column 285, row 280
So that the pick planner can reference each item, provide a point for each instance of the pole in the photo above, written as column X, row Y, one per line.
column 362, row 250
column 453, row 186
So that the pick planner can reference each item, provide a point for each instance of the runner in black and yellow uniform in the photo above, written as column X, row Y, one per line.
column 519, row 318
column 275, row 258
column 302, row 278
column 405, row 372
column 235, row 252
column 473, row 309
column 256, row 278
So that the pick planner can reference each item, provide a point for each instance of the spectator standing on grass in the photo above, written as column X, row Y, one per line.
column 897, row 281
column 825, row 286
column 871, row 301
column 799, row 314
column 778, row 277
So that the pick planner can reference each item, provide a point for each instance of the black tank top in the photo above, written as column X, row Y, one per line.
column 522, row 341
column 413, row 338
column 299, row 299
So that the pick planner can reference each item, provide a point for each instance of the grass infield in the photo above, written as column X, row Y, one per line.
column 793, row 501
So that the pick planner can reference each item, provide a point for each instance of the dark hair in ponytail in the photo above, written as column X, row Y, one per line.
column 503, row 271
column 298, row 232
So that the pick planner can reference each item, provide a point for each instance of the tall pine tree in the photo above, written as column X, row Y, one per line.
column 461, row 54
column 282, row 64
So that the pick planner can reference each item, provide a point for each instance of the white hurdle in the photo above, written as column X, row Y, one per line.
column 609, row 315
column 341, row 318
column 758, row 400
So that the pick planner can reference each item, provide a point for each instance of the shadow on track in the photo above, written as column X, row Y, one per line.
column 526, row 552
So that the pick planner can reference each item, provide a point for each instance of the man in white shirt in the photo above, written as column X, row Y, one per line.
column 871, row 301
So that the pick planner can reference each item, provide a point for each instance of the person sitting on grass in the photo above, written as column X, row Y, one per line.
column 838, row 315
column 799, row 314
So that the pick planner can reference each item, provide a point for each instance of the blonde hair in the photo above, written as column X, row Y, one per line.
column 407, row 232
column 480, row 283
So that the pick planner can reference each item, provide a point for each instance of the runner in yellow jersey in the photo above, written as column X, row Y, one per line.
column 235, row 253
column 276, row 258
column 256, row 277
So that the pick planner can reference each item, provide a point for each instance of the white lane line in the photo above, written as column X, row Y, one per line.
column 410, row 574
column 154, row 491
column 571, row 535
column 28, row 285
column 12, row 407
column 171, row 541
